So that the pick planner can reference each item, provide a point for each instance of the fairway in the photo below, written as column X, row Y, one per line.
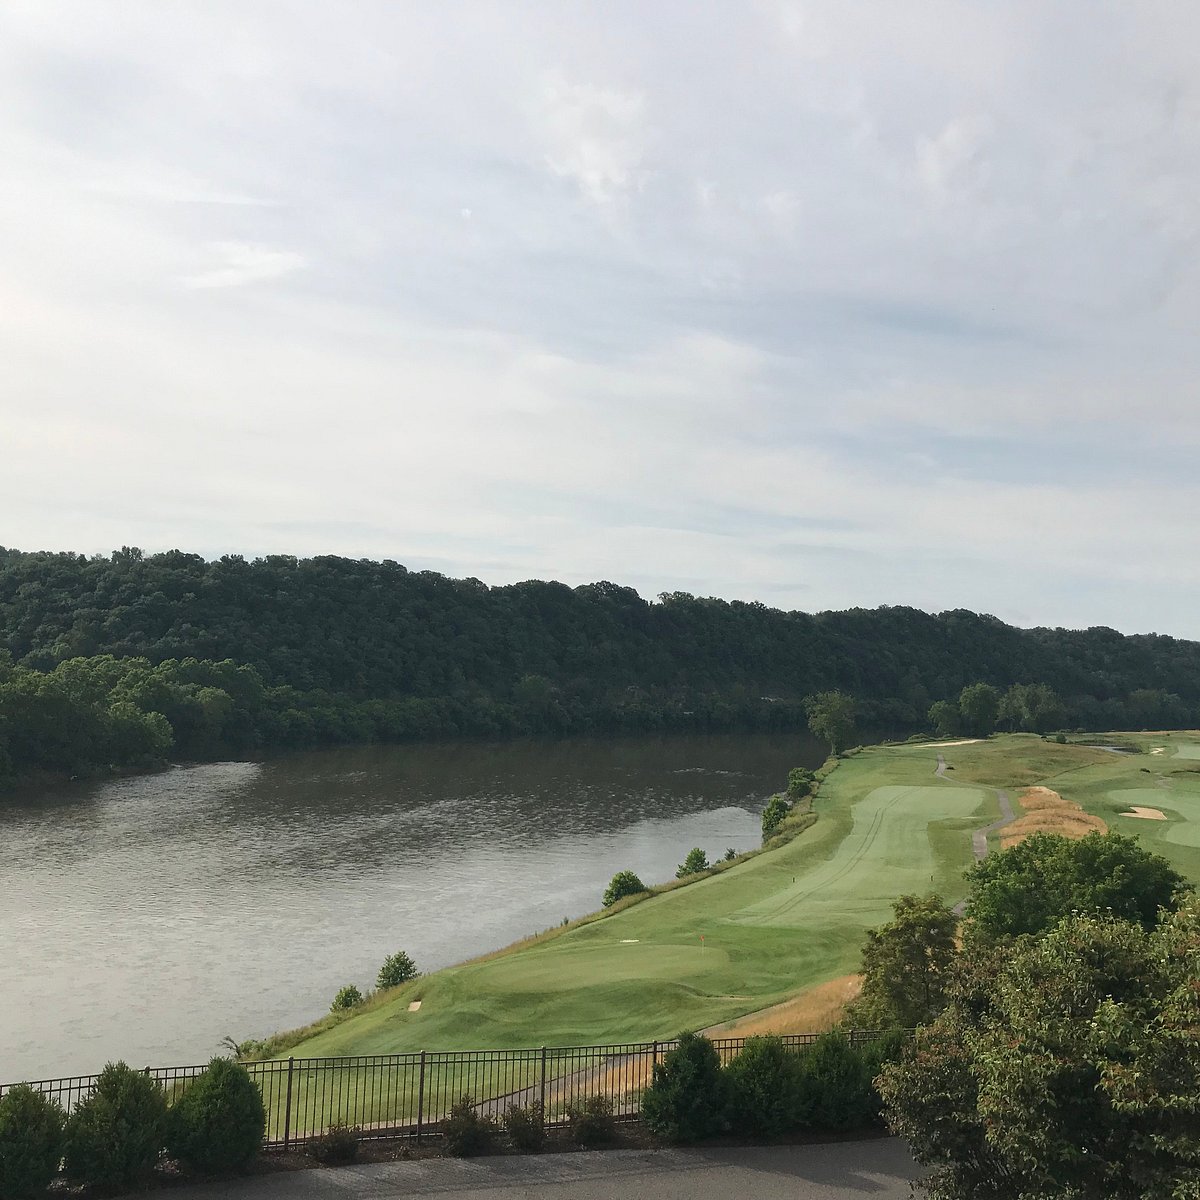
column 768, row 927
column 886, row 854
column 725, row 945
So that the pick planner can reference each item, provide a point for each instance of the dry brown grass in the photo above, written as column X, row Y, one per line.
column 1047, row 812
column 810, row 1011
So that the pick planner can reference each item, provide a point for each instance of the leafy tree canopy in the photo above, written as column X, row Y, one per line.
column 1068, row 1066
column 1033, row 885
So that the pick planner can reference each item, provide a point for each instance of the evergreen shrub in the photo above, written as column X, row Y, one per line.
column 337, row 1146
column 114, row 1138
column 219, row 1121
column 686, row 1100
column 526, row 1127
column 466, row 1131
column 763, row 1083
column 31, row 1141
column 834, row 1090
column 591, row 1121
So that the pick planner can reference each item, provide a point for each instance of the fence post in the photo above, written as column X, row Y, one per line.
column 287, row 1105
column 421, row 1099
column 543, row 1099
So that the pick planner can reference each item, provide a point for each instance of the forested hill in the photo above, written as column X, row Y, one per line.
column 334, row 649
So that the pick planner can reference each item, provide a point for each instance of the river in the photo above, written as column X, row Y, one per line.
column 146, row 918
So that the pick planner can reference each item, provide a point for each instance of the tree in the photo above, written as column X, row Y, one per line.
column 945, row 718
column 979, row 706
column 1033, row 885
column 1067, row 1067
column 624, row 883
column 695, row 862
column 397, row 968
column 907, row 965
column 777, row 808
column 1031, row 707
column 832, row 717
column 347, row 997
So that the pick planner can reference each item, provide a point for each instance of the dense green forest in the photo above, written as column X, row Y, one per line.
column 131, row 659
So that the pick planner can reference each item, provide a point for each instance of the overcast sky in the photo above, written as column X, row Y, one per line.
column 821, row 304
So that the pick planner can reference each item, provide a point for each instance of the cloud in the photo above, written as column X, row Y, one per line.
column 833, row 304
column 243, row 264
column 595, row 137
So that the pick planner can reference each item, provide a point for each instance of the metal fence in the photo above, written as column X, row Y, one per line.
column 407, row 1095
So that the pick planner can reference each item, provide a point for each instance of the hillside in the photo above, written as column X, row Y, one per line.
column 235, row 655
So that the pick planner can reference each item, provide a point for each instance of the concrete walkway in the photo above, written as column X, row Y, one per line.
column 880, row 1169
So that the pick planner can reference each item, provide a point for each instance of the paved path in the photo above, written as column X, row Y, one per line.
column 873, row 1170
column 979, row 844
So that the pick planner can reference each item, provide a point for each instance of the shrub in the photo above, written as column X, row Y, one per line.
column 624, row 883
column 113, row 1139
column 31, row 1141
column 686, row 1100
column 730, row 854
column 772, row 816
column 466, row 1131
column 800, row 782
column 347, row 997
column 763, row 1086
column 219, row 1121
column 397, row 968
column 526, row 1127
column 834, row 1090
column 591, row 1121
column 337, row 1146
column 695, row 862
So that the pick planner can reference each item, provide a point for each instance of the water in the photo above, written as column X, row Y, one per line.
column 146, row 918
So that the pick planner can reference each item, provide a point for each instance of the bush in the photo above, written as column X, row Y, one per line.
column 695, row 862
column 624, row 883
column 772, row 816
column 834, row 1090
column 337, row 1146
column 687, row 1099
column 526, row 1127
column 591, row 1121
column 397, row 968
column 219, row 1121
column 347, row 997
column 113, row 1139
column 763, row 1084
column 466, row 1131
column 800, row 782
column 31, row 1141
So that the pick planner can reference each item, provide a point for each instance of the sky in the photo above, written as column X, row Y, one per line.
column 819, row 304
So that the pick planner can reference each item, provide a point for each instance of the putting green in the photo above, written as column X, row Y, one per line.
column 1180, row 801
column 1188, row 750
column 886, row 854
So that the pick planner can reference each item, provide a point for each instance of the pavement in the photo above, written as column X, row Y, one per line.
column 880, row 1169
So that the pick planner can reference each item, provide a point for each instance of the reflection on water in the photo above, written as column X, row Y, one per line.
column 148, row 917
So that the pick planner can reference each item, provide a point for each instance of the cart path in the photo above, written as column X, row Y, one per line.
column 979, row 839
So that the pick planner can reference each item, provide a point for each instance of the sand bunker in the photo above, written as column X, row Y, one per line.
column 960, row 742
column 415, row 1006
column 1047, row 812
column 1148, row 814
column 1159, row 750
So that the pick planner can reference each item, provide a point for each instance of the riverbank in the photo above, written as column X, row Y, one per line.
column 785, row 919
column 747, row 937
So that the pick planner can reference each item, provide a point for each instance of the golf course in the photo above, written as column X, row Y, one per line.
column 791, row 918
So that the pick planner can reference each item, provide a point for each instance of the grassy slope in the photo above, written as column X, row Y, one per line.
column 784, row 920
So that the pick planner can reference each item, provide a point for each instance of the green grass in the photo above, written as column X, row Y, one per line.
column 780, row 921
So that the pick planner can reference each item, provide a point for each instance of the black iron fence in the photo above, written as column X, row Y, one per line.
column 407, row 1095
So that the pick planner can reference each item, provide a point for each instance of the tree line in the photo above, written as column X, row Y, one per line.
column 237, row 655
